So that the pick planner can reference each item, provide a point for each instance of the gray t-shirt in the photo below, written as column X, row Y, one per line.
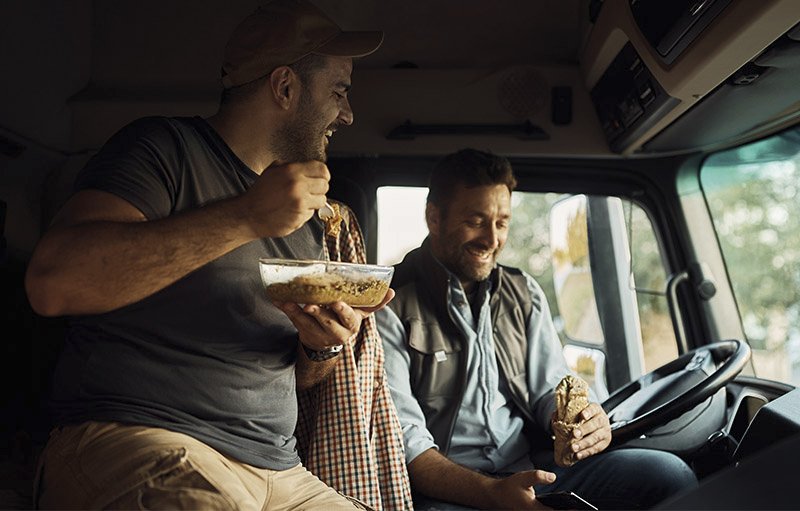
column 208, row 355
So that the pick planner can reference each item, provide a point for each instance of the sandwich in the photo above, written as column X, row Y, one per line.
column 572, row 396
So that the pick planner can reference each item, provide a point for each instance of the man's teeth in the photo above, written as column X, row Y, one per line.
column 482, row 254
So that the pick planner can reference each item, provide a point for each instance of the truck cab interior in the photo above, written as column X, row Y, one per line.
column 657, row 149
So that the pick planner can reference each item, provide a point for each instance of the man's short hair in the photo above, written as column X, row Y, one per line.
column 304, row 68
column 470, row 168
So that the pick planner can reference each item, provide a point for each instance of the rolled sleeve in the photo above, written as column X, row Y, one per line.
column 416, row 437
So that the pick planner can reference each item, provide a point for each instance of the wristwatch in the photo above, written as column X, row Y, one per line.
column 325, row 354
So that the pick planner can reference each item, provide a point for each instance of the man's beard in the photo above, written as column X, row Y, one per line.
column 458, row 261
column 301, row 139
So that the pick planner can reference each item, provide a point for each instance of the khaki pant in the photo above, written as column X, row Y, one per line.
column 114, row 466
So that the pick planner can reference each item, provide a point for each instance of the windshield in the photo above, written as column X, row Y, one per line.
column 752, row 196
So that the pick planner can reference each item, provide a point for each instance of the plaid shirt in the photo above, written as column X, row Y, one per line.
column 348, row 432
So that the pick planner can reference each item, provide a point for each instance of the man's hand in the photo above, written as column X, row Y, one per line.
column 516, row 491
column 437, row 477
column 284, row 197
column 322, row 327
column 593, row 434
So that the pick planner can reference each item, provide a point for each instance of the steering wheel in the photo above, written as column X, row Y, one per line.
column 674, row 388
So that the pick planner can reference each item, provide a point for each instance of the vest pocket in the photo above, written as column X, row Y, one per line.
column 428, row 338
column 435, row 362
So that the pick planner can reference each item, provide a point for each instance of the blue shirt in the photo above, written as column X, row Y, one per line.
column 488, row 432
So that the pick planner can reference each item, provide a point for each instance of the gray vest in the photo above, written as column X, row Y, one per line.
column 421, row 304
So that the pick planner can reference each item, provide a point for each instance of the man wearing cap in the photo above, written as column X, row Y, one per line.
column 176, row 387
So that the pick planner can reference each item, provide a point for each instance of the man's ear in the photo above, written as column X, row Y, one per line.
column 284, row 85
column 432, row 218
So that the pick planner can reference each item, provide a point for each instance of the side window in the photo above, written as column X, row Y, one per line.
column 752, row 194
column 531, row 247
column 528, row 245
column 610, row 284
column 649, row 280
column 401, row 221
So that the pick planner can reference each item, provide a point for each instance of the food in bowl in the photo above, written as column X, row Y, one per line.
column 323, row 282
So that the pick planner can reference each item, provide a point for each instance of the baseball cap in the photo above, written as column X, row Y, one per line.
column 282, row 32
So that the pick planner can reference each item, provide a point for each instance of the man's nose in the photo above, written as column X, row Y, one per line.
column 346, row 113
column 491, row 236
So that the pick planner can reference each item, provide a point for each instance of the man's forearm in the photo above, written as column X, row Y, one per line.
column 311, row 372
column 435, row 476
column 97, row 266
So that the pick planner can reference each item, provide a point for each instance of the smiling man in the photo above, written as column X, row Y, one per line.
column 473, row 359
column 177, row 384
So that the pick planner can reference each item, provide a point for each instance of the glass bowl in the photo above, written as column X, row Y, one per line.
column 323, row 282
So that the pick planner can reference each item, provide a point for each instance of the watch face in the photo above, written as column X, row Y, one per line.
column 325, row 354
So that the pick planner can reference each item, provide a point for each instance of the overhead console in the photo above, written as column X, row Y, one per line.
column 628, row 99
column 671, row 26
column 760, row 98
column 646, row 62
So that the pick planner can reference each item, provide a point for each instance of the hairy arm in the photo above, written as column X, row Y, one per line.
column 309, row 372
column 101, row 253
column 434, row 475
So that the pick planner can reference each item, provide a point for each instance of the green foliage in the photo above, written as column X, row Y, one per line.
column 528, row 245
column 752, row 195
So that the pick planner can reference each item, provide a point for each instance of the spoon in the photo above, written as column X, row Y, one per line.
column 326, row 212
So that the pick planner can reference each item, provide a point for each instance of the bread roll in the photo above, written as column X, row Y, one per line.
column 572, row 396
